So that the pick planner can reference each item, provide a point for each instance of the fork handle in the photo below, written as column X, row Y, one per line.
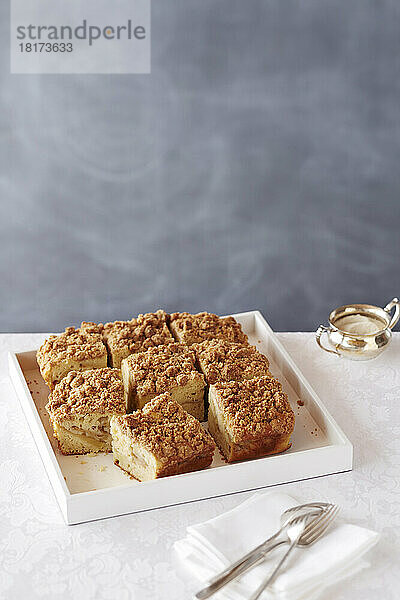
column 268, row 580
column 239, row 568
column 264, row 546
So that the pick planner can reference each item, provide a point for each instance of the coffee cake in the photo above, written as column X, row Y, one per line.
column 74, row 349
column 191, row 329
column 159, row 440
column 227, row 361
column 80, row 408
column 137, row 335
column 250, row 418
column 169, row 368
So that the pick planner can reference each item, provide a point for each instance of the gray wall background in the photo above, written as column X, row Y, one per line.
column 256, row 167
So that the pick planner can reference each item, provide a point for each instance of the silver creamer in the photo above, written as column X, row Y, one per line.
column 360, row 331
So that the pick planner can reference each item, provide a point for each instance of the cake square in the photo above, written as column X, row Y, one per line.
column 248, row 419
column 192, row 329
column 137, row 335
column 159, row 440
column 227, row 361
column 80, row 408
column 170, row 368
column 73, row 350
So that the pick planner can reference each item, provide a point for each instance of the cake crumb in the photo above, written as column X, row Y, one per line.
column 102, row 469
column 220, row 360
column 83, row 462
column 162, row 368
column 255, row 407
column 192, row 329
column 300, row 402
column 165, row 429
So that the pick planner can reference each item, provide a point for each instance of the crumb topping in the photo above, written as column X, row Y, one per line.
column 255, row 408
column 167, row 431
column 138, row 334
column 78, row 344
column 206, row 326
column 227, row 361
column 162, row 368
column 83, row 392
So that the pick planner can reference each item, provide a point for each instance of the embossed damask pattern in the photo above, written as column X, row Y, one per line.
column 130, row 557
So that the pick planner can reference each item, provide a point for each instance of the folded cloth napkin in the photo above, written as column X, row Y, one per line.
column 211, row 546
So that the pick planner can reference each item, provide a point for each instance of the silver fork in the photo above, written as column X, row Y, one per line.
column 256, row 555
column 308, row 534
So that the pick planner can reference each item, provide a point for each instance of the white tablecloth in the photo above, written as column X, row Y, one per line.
column 130, row 557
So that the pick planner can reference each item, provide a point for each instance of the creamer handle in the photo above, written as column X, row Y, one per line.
column 396, row 305
column 322, row 329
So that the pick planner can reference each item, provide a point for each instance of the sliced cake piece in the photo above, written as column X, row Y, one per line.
column 137, row 335
column 80, row 408
column 227, row 361
column 74, row 349
column 169, row 368
column 159, row 440
column 250, row 418
column 192, row 329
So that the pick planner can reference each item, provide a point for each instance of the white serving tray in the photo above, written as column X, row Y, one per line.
column 92, row 487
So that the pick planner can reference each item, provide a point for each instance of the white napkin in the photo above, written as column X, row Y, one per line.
column 211, row 546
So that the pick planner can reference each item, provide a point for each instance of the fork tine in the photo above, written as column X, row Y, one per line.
column 321, row 526
column 314, row 523
column 322, row 506
column 311, row 527
column 310, row 505
column 329, row 519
